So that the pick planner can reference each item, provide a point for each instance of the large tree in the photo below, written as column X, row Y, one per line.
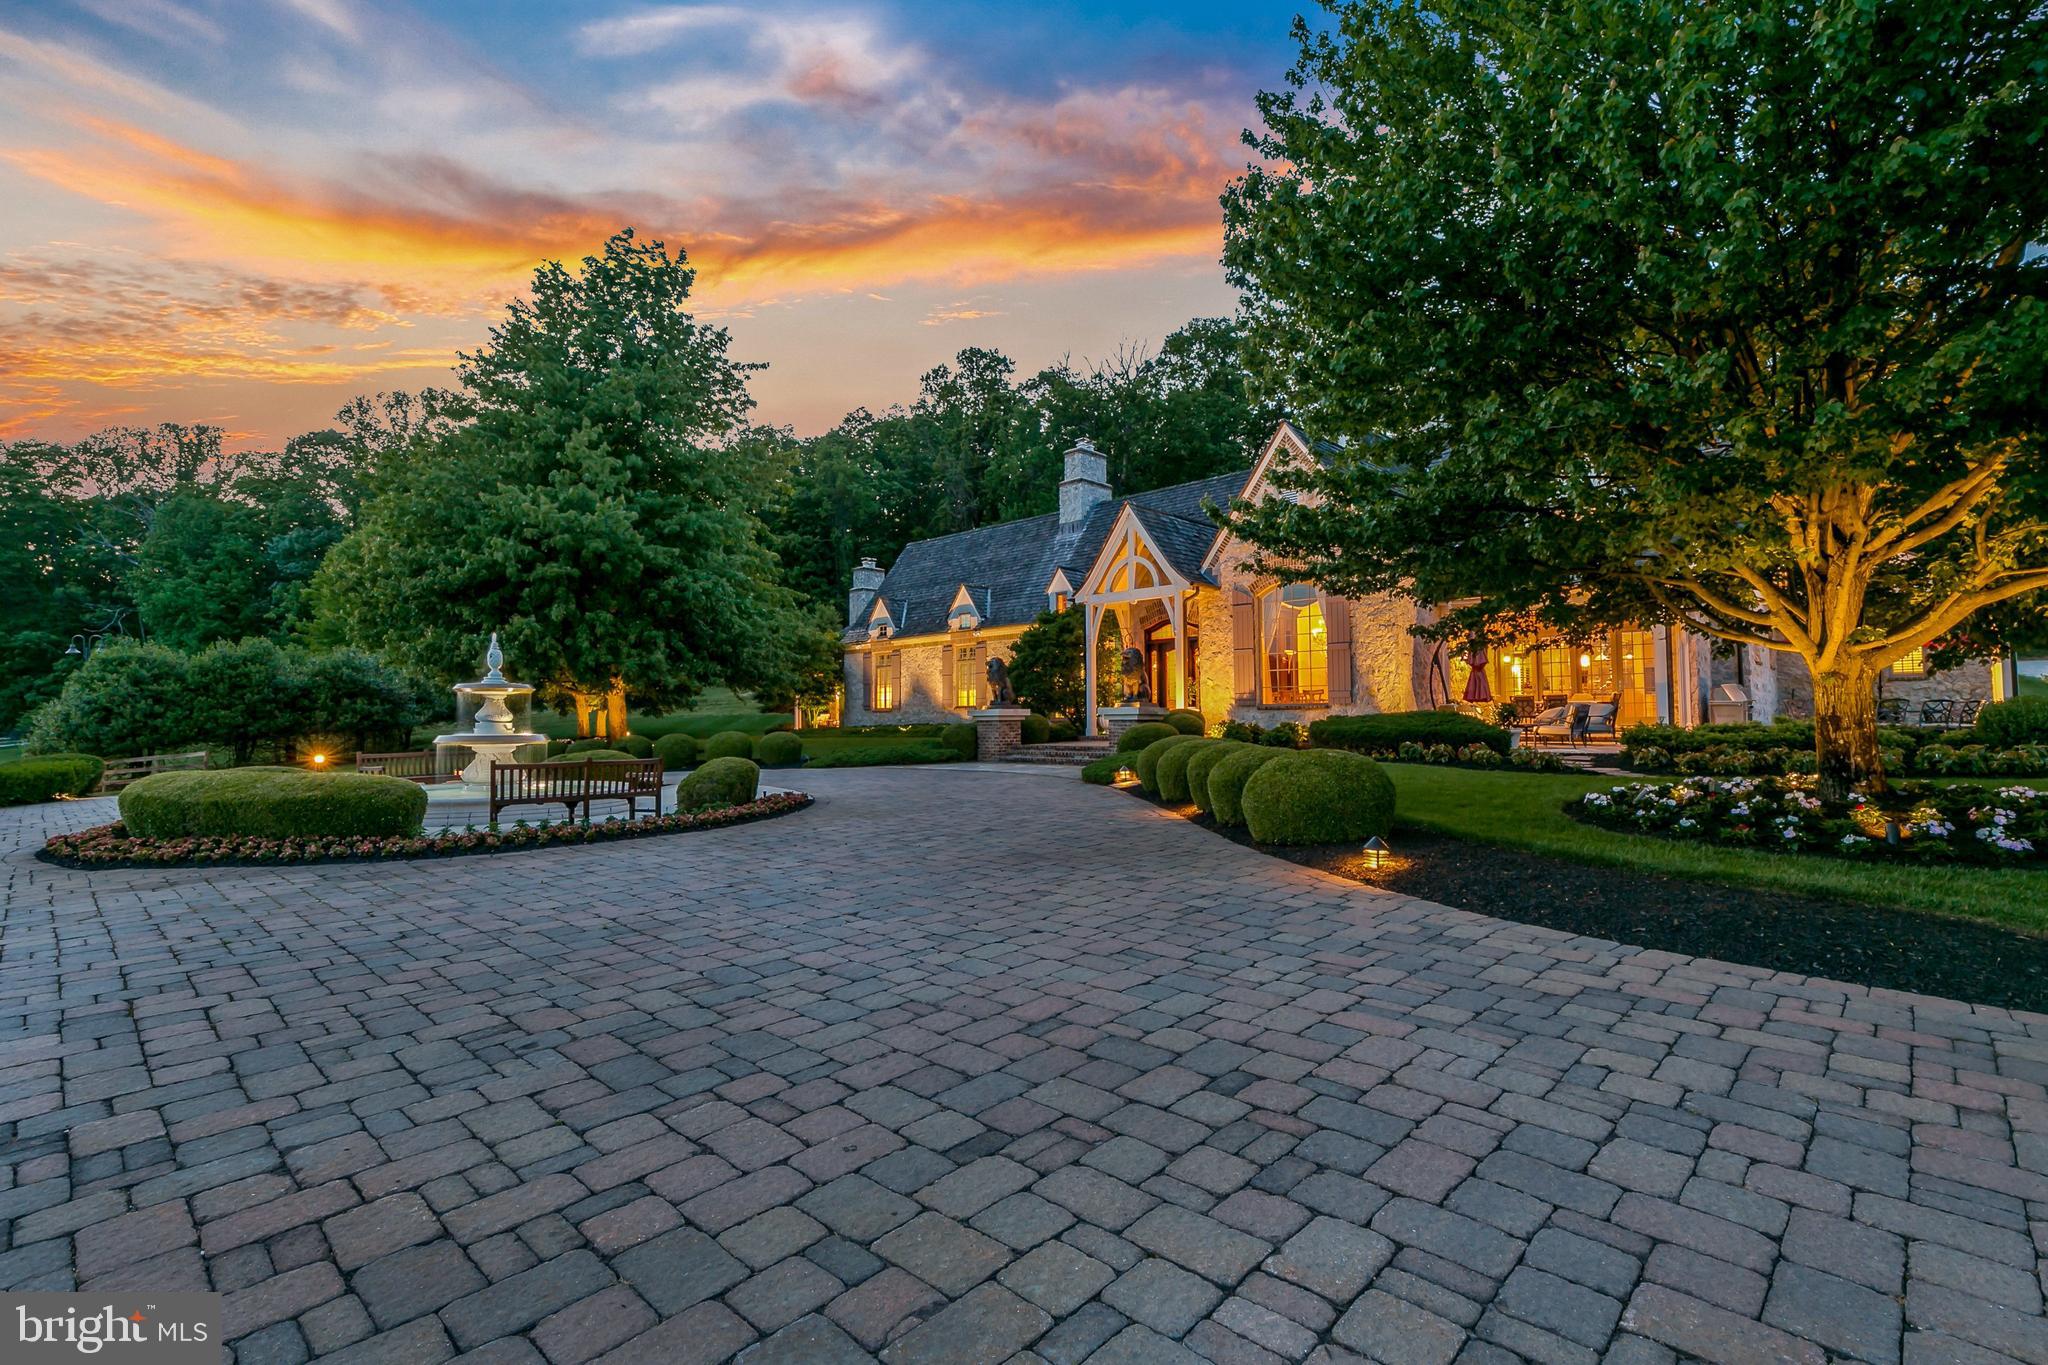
column 1722, row 315
column 583, row 500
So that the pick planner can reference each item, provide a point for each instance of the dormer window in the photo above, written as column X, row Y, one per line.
column 880, row 624
column 1059, row 593
column 965, row 613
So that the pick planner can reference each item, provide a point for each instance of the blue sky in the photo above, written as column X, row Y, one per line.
column 245, row 212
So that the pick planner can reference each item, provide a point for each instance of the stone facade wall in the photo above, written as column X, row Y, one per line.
column 1969, row 681
column 924, row 689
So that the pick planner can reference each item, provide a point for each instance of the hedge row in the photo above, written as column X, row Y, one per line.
column 1314, row 796
column 47, row 777
column 1388, row 732
column 1930, row 760
column 272, row 803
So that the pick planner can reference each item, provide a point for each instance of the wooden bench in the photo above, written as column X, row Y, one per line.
column 414, row 765
column 120, row 772
column 574, row 784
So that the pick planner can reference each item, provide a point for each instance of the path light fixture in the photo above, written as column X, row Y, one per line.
column 1126, row 778
column 319, row 760
column 1376, row 852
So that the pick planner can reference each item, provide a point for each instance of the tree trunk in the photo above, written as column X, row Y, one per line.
column 615, row 710
column 1845, row 732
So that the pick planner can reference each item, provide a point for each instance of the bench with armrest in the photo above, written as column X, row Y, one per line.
column 574, row 784
column 122, row 772
column 414, row 765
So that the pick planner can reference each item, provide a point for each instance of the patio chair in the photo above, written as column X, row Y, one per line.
column 1966, row 714
column 1602, row 721
column 1561, row 724
column 1937, row 711
column 1891, row 710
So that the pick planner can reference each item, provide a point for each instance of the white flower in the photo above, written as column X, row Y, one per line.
column 1852, row 840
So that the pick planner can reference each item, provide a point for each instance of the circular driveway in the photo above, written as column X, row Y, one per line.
column 961, row 1064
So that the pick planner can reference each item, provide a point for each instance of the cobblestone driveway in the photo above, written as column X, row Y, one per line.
column 972, row 1067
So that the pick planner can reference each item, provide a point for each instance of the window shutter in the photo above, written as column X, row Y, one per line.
column 867, row 678
column 949, row 692
column 977, row 674
column 1244, row 647
column 1337, row 640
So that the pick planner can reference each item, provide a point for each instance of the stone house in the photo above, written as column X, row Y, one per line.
column 1234, row 645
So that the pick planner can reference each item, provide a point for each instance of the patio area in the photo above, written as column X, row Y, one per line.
column 960, row 1064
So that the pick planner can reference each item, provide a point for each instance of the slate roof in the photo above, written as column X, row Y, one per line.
column 1008, row 565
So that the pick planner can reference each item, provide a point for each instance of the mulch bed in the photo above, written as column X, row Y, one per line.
column 109, row 846
column 1841, row 940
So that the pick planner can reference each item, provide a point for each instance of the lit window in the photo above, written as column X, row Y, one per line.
column 1295, row 645
column 1912, row 664
column 885, row 681
column 1059, row 602
column 966, row 693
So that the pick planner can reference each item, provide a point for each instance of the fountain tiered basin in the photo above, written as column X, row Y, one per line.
column 496, row 710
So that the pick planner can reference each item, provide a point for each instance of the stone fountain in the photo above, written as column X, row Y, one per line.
column 496, row 709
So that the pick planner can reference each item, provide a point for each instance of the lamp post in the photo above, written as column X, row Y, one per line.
column 84, row 643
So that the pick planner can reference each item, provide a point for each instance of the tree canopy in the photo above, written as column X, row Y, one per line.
column 1704, row 314
column 585, row 500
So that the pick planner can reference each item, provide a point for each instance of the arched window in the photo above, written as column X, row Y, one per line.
column 1295, row 642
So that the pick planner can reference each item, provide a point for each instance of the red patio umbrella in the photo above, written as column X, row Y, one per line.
column 1477, row 689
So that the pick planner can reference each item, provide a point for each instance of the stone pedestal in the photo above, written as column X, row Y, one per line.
column 1117, row 719
column 998, row 732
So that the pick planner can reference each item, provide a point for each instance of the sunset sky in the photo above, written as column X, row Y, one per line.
column 245, row 212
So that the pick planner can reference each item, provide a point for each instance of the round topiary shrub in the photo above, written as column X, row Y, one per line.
column 1203, row 762
column 640, row 746
column 1061, row 733
column 1227, row 779
column 272, row 803
column 49, row 776
column 1037, row 729
column 779, row 749
column 1187, row 720
column 729, row 744
column 1172, row 770
column 962, row 740
column 1146, row 764
column 1102, row 772
column 726, row 781
column 1143, row 736
column 584, row 746
column 590, row 755
column 676, row 752
column 1319, row 796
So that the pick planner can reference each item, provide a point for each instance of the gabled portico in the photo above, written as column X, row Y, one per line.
column 1134, row 577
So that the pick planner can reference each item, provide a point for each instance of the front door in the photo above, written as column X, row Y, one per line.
column 1161, row 658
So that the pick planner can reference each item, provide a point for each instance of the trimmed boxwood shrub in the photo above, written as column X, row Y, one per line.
column 1173, row 768
column 676, row 751
column 2010, row 724
column 1321, row 796
column 272, row 803
column 48, row 777
column 1062, row 732
column 883, row 755
column 1144, row 736
column 1227, row 779
column 1202, row 762
column 729, row 744
column 1146, row 764
column 559, row 746
column 1386, row 733
column 584, row 746
column 591, row 755
column 725, row 781
column 1037, row 729
column 962, row 739
column 1288, row 734
column 1102, row 772
column 640, row 746
column 1187, row 720
column 779, row 749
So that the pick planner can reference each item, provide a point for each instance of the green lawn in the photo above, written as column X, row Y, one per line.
column 1526, row 811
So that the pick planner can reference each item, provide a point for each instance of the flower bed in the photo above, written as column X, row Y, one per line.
column 112, row 846
column 2002, row 825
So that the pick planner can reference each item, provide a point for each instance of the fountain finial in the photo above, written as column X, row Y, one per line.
column 494, row 659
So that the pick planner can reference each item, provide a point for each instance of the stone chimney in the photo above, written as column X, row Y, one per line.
column 867, row 581
column 1086, row 482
